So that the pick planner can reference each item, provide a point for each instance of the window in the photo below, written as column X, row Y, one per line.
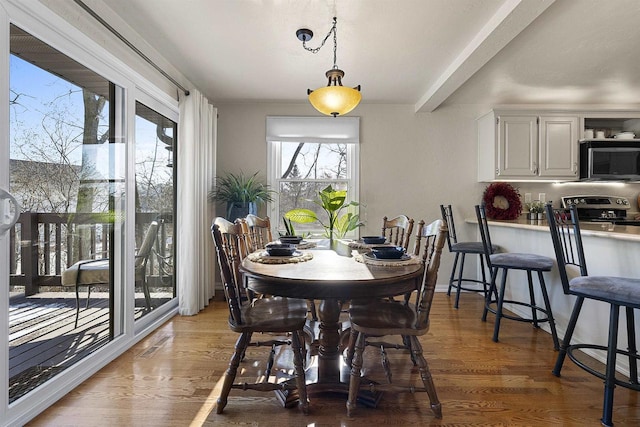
column 306, row 154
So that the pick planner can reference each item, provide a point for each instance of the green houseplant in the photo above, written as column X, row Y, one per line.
column 241, row 193
column 332, row 202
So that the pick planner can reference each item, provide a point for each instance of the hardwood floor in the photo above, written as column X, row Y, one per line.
column 172, row 378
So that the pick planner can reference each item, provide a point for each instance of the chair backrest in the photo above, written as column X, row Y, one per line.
column 567, row 242
column 142, row 255
column 432, row 237
column 258, row 230
column 398, row 230
column 224, row 251
column 447, row 217
column 483, row 225
column 233, row 241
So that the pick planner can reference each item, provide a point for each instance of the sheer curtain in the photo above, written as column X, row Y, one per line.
column 196, row 170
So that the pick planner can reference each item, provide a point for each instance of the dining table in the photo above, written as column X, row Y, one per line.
column 334, row 273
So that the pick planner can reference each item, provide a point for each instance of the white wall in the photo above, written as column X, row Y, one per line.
column 410, row 163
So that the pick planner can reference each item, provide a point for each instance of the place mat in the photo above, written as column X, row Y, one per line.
column 388, row 262
column 263, row 257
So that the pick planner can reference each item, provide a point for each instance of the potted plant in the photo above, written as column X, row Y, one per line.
column 332, row 202
column 241, row 193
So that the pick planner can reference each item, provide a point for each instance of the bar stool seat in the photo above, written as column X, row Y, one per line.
column 531, row 263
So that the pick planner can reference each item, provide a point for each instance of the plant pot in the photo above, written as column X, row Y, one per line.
column 240, row 210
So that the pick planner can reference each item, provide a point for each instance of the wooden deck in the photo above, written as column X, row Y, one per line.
column 43, row 340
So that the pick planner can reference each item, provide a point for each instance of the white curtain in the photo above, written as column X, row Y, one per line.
column 197, row 129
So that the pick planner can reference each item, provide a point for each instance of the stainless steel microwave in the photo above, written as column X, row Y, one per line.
column 610, row 160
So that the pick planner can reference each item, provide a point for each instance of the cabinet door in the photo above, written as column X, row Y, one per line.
column 558, row 147
column 518, row 146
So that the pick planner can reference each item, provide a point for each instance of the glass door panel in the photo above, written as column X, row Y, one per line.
column 155, row 137
column 66, row 170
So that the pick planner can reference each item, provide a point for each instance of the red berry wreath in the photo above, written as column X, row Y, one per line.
column 501, row 201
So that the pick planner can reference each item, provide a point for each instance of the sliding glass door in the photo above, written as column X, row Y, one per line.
column 67, row 172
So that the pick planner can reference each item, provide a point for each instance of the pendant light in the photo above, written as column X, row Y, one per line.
column 333, row 99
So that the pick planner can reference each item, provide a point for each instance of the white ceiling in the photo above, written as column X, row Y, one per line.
column 418, row 52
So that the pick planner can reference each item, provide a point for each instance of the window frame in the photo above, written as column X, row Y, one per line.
column 274, row 172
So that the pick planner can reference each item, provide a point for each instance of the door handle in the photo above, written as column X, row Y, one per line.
column 6, row 220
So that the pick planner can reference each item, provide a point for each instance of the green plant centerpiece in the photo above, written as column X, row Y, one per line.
column 241, row 193
column 333, row 202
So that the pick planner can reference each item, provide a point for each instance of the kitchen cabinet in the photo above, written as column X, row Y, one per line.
column 518, row 146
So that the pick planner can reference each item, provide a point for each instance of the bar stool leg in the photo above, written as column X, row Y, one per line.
column 609, row 382
column 492, row 291
column 547, row 304
column 453, row 273
column 503, row 286
column 633, row 351
column 455, row 305
column 532, row 299
column 567, row 336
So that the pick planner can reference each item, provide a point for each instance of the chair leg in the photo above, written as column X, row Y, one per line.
column 312, row 309
column 532, row 300
column 503, row 286
column 453, row 273
column 353, row 335
column 425, row 374
column 301, row 382
column 88, row 296
column 230, row 375
column 77, row 305
column 547, row 304
column 460, row 272
column 354, row 381
column 633, row 350
column 492, row 290
column 610, row 378
column 147, row 295
column 567, row 336
column 484, row 276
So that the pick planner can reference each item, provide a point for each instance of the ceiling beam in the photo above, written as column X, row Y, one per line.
column 509, row 21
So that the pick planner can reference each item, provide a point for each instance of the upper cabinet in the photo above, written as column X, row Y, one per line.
column 517, row 146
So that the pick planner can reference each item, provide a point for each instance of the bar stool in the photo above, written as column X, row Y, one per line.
column 616, row 291
column 461, row 250
column 515, row 261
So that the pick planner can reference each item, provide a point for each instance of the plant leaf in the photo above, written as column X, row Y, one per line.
column 302, row 216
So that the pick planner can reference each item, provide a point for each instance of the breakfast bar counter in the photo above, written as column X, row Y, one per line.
column 610, row 250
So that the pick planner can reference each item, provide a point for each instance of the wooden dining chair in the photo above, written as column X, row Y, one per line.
column 268, row 315
column 398, row 230
column 256, row 235
column 406, row 320
column 258, row 231
column 616, row 291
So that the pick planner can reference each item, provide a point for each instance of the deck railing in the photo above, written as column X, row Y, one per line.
column 44, row 244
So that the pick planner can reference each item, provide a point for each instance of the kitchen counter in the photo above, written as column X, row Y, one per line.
column 610, row 250
column 600, row 229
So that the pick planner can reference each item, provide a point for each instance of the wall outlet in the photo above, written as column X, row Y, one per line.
column 527, row 198
column 542, row 197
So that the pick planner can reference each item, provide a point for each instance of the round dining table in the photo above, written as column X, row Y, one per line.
column 334, row 277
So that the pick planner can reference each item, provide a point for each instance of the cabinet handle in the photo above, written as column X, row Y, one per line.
column 575, row 168
column 535, row 168
column 498, row 171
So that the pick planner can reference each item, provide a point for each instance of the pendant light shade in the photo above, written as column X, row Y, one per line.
column 333, row 99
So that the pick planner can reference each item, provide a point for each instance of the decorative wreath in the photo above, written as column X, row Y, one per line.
column 501, row 201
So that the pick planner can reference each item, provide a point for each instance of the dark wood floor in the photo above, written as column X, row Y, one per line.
column 172, row 378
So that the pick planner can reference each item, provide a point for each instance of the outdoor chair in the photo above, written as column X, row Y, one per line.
column 93, row 272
